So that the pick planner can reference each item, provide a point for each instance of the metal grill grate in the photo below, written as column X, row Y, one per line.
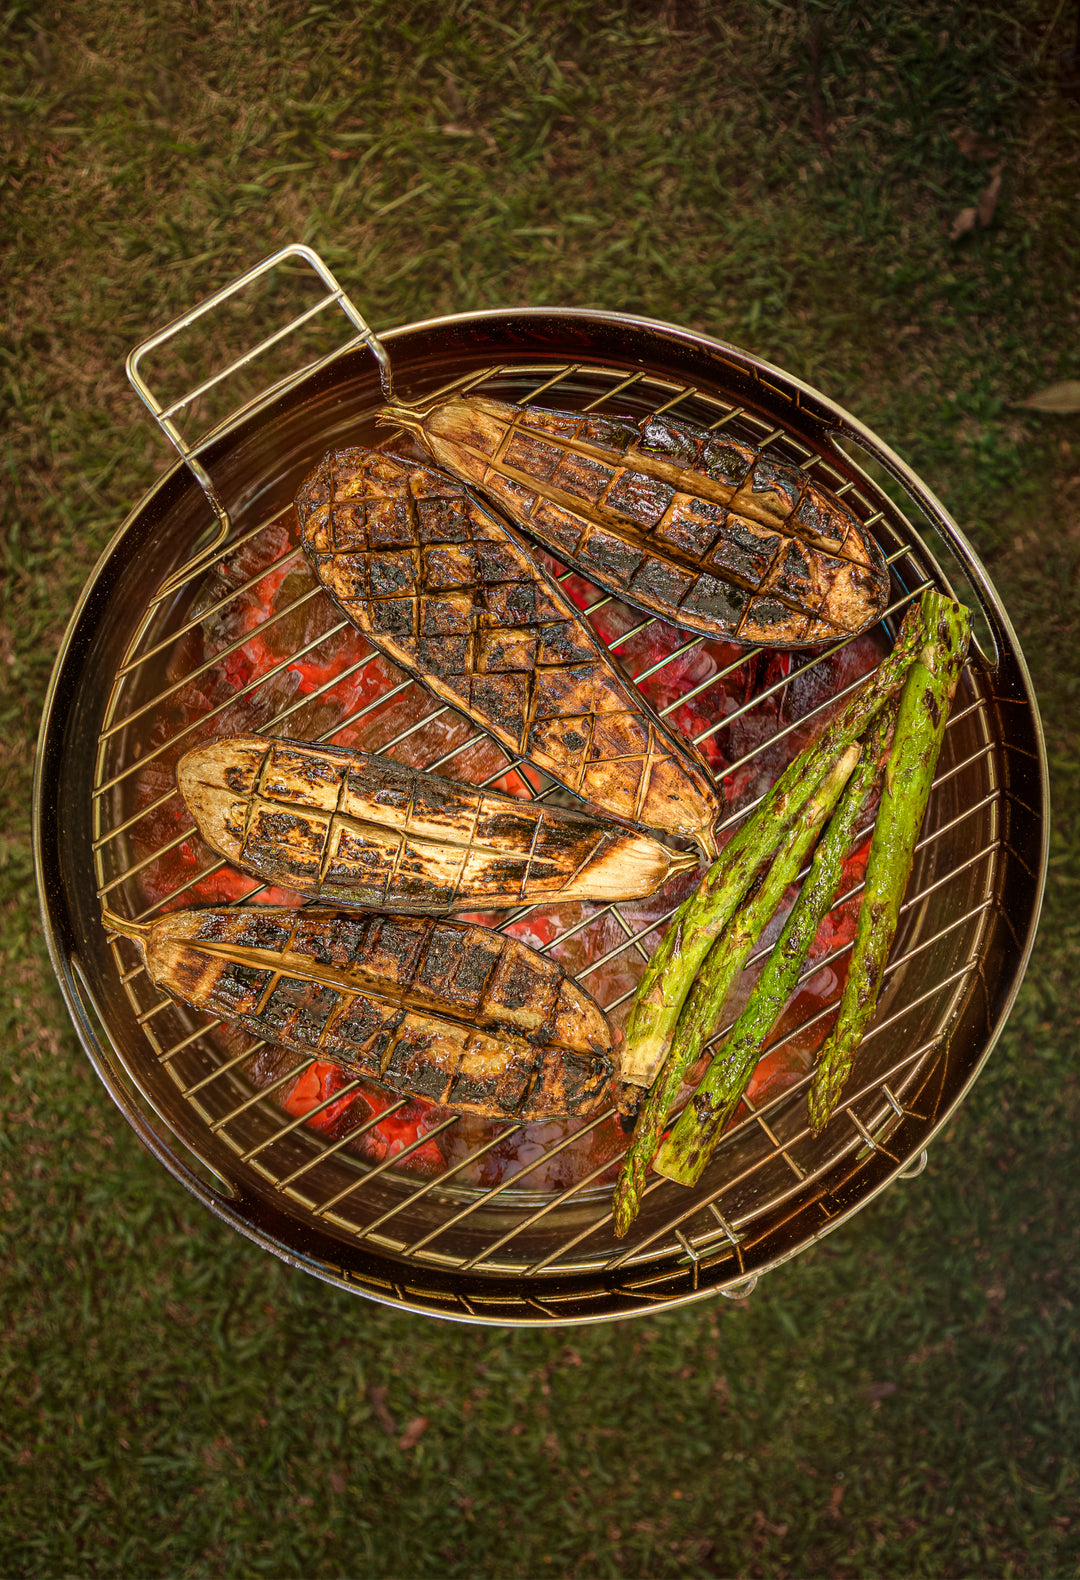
column 516, row 1228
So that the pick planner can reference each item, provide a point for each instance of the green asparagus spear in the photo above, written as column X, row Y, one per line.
column 684, row 1153
column 731, row 952
column 702, row 917
column 909, row 774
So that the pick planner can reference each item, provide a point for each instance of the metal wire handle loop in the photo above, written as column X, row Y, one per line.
column 163, row 415
column 913, row 1170
column 742, row 1290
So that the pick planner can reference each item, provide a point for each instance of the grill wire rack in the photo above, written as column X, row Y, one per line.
column 520, row 1250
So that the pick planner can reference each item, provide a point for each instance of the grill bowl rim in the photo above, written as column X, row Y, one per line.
column 829, row 418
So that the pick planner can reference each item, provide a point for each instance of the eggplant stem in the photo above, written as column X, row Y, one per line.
column 120, row 924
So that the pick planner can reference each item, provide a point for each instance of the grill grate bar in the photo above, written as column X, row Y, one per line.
column 793, row 1091
column 155, row 1009
column 292, row 553
column 635, row 378
column 746, row 1220
column 413, row 729
column 733, row 1235
column 301, row 1119
column 680, row 652
column 343, row 1141
column 820, row 1016
column 631, row 936
column 676, row 400
column 441, row 1179
column 506, row 1184
column 875, row 1146
column 456, row 751
column 636, row 631
column 525, row 1215
column 736, row 411
column 249, row 1102
column 557, row 378
column 222, row 1069
column 212, row 662
column 777, row 1145
column 387, row 1163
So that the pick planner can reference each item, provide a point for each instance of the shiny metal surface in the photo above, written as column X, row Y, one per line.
column 511, row 1252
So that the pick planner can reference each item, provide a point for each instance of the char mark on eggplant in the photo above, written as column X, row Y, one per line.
column 443, row 1010
column 362, row 831
column 700, row 529
column 452, row 594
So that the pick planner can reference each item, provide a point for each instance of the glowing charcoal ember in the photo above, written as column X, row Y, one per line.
column 399, row 1135
column 453, row 597
column 700, row 529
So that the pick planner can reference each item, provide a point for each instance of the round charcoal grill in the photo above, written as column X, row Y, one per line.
column 148, row 667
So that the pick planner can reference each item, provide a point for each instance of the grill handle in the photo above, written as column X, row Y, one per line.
column 163, row 415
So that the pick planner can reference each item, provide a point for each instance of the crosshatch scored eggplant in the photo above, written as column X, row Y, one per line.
column 353, row 829
column 442, row 1010
column 698, row 528
column 453, row 596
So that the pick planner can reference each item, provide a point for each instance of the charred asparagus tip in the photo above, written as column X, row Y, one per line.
column 821, row 1101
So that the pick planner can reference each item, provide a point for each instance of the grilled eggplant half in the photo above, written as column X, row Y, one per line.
column 457, row 1014
column 356, row 830
column 695, row 527
column 451, row 594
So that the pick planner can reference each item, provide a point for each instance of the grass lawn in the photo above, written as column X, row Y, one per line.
column 905, row 1399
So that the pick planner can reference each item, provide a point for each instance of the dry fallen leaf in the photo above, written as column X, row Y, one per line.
column 454, row 102
column 972, row 145
column 988, row 200
column 377, row 1400
column 963, row 222
column 413, row 1432
column 878, row 1390
column 1064, row 397
column 761, row 1525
